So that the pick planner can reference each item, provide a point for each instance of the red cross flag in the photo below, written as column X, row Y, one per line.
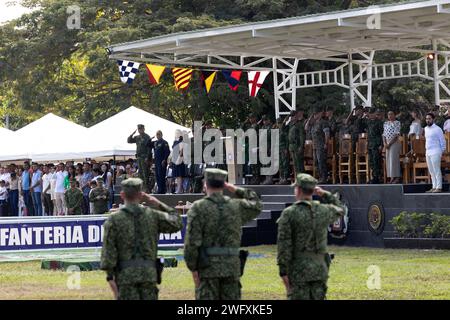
column 255, row 81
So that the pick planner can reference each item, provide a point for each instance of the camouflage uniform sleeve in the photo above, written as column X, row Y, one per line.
column 250, row 204
column 169, row 219
column 79, row 200
column 193, row 239
column 334, row 207
column 109, row 256
column 284, row 243
column 131, row 139
column 92, row 195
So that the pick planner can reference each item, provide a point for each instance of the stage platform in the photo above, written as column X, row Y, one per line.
column 388, row 199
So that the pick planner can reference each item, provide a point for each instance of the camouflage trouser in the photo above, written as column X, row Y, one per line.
column 284, row 163
column 219, row 289
column 297, row 156
column 144, row 172
column 254, row 171
column 321, row 161
column 375, row 162
column 314, row 290
column 197, row 184
column 140, row 291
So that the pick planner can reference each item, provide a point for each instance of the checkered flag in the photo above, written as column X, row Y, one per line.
column 128, row 70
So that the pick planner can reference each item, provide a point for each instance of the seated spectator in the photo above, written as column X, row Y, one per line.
column 3, row 199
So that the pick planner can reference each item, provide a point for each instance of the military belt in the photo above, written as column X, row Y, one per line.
column 222, row 251
column 136, row 263
column 312, row 255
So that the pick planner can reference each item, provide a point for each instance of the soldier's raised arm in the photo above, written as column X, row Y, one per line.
column 132, row 139
column 334, row 205
column 169, row 219
column 250, row 204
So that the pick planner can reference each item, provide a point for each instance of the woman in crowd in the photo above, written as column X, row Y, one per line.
column 14, row 195
column 415, row 128
column 108, row 182
column 392, row 147
column 179, row 168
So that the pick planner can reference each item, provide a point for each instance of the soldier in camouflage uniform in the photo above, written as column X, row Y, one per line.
column 283, row 150
column 302, row 257
column 267, row 125
column 99, row 196
column 143, row 153
column 320, row 135
column 374, row 144
column 356, row 124
column 297, row 137
column 74, row 199
column 130, row 243
column 255, row 167
column 213, row 237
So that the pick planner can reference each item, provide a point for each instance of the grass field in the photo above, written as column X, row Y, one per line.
column 405, row 274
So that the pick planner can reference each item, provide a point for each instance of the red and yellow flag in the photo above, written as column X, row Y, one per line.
column 154, row 72
column 182, row 77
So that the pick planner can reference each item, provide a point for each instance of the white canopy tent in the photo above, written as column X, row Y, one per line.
column 110, row 136
column 49, row 138
column 350, row 38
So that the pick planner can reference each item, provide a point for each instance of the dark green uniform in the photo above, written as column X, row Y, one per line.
column 284, row 152
column 320, row 155
column 214, row 228
column 268, row 137
column 297, row 137
column 302, row 243
column 74, row 200
column 143, row 156
column 374, row 143
column 130, row 246
column 99, row 196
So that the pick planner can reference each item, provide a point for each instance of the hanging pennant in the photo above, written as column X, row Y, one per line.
column 233, row 77
column 182, row 77
column 128, row 70
column 154, row 72
column 255, row 81
column 208, row 79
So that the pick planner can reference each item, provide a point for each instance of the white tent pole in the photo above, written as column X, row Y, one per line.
column 276, row 93
column 437, row 98
column 350, row 81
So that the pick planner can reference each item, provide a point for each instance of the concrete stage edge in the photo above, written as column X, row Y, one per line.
column 393, row 199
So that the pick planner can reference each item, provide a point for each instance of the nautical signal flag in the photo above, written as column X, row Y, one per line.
column 182, row 77
column 208, row 78
column 255, row 81
column 128, row 70
column 233, row 78
column 154, row 72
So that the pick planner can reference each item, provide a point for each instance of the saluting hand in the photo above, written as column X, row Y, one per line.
column 149, row 199
column 230, row 187
column 318, row 191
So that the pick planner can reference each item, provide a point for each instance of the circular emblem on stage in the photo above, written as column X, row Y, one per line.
column 375, row 218
column 339, row 228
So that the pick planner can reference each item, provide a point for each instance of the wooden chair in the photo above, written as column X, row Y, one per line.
column 362, row 159
column 345, row 158
column 332, row 159
column 419, row 166
column 308, row 158
column 405, row 159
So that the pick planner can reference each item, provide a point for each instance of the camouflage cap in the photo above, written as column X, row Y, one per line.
column 100, row 179
column 140, row 126
column 132, row 185
column 305, row 180
column 213, row 174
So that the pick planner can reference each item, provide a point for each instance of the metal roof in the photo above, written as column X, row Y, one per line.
column 406, row 26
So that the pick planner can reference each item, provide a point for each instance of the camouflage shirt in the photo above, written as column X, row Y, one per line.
column 143, row 145
column 374, row 133
column 297, row 134
column 74, row 200
column 318, row 133
column 302, row 238
column 133, row 233
column 210, row 227
column 100, row 205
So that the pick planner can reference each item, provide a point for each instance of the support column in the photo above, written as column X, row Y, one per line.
column 284, row 82
column 350, row 81
column 437, row 96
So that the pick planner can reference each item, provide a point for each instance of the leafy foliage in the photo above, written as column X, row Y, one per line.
column 45, row 67
column 418, row 225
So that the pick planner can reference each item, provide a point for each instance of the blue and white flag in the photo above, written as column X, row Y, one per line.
column 128, row 70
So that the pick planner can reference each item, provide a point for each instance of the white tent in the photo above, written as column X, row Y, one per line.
column 110, row 136
column 48, row 138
